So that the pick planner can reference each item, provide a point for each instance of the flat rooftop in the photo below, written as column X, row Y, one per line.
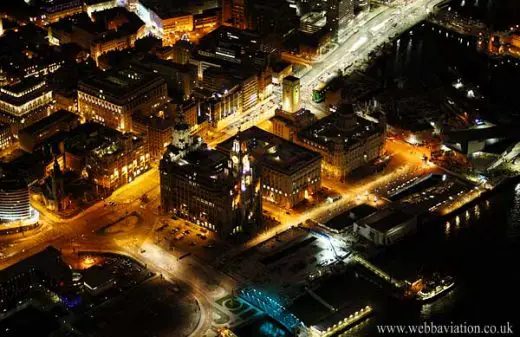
column 274, row 152
column 333, row 130
column 386, row 219
column 60, row 115
column 123, row 83
column 206, row 166
column 97, row 276
column 348, row 218
column 165, row 9
column 24, row 91
column 87, row 137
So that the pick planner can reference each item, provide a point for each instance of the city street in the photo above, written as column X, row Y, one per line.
column 87, row 230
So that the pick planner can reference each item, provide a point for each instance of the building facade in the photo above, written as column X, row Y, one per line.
column 111, row 98
column 290, row 173
column 114, row 164
column 6, row 136
column 214, row 190
column 25, row 103
column 345, row 141
column 38, row 132
column 291, row 94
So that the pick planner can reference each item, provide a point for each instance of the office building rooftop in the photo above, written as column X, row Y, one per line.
column 274, row 152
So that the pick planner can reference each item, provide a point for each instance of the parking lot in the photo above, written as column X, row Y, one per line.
column 181, row 237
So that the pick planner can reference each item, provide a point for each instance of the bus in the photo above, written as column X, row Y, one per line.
column 318, row 93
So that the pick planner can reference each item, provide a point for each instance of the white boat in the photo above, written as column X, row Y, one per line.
column 435, row 288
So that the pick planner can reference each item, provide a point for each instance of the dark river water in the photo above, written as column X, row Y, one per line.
column 480, row 249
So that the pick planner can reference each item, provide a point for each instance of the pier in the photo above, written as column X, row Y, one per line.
column 378, row 272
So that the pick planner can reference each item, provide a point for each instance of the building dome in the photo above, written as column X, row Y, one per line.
column 14, row 200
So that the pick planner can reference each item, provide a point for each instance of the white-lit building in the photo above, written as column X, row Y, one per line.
column 24, row 103
column 386, row 227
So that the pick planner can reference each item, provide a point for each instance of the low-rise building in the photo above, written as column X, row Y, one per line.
column 45, row 268
column 98, row 279
column 386, row 226
column 290, row 173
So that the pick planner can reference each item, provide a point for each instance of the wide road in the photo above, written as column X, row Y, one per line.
column 366, row 35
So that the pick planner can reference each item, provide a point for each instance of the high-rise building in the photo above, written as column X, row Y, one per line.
column 241, row 14
column 291, row 94
column 339, row 13
column 227, row 15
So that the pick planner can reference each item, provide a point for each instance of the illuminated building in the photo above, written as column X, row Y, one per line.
column 386, row 226
column 6, row 136
column 312, row 22
column 180, row 78
column 93, row 6
column 181, row 52
column 234, row 46
column 24, row 103
column 217, row 191
column 227, row 15
column 279, row 71
column 207, row 20
column 3, row 78
column 38, row 132
column 345, row 141
column 291, row 94
column 290, row 173
column 287, row 125
column 217, row 106
column 111, row 98
column 157, row 129
column 99, row 32
column 241, row 14
column 118, row 162
column 78, row 143
column 15, row 208
column 224, row 84
column 121, row 30
column 339, row 13
column 58, row 9
column 177, row 23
